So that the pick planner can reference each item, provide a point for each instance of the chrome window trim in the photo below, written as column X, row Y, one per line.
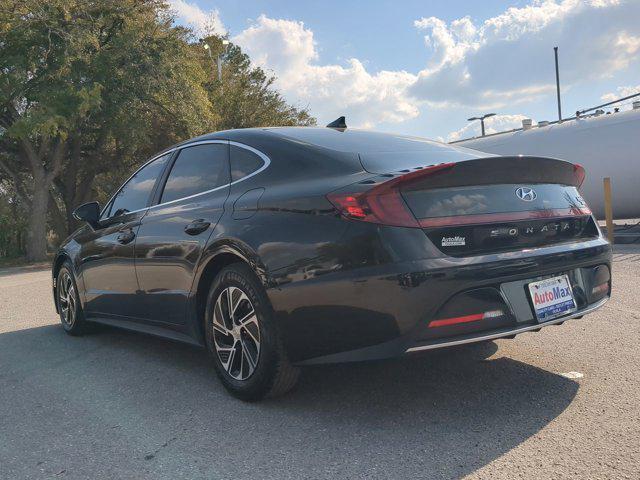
column 265, row 159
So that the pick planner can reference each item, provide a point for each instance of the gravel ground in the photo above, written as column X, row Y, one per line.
column 562, row 403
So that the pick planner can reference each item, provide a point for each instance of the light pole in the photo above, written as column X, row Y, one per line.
column 219, row 59
column 555, row 53
column 481, row 120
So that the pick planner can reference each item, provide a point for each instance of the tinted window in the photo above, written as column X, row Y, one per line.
column 475, row 200
column 243, row 163
column 363, row 141
column 197, row 169
column 135, row 193
column 381, row 152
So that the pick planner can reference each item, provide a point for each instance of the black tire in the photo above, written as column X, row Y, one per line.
column 255, row 364
column 72, row 318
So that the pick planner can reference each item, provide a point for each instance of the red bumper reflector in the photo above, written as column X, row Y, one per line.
column 466, row 318
column 603, row 287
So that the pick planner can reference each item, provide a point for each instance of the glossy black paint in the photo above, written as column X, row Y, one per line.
column 88, row 212
column 105, row 260
column 340, row 289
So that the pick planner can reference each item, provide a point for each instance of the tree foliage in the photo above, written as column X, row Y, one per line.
column 89, row 89
column 246, row 97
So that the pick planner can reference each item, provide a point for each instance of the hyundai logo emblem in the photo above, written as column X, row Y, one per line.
column 526, row 194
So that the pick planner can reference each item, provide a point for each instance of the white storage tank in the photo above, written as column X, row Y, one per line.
column 605, row 145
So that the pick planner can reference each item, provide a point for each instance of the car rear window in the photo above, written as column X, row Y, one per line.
column 243, row 162
column 381, row 152
column 474, row 200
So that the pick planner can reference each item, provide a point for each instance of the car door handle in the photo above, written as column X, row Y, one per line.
column 196, row 227
column 126, row 237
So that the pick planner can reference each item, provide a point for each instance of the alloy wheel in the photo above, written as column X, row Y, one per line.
column 236, row 333
column 67, row 299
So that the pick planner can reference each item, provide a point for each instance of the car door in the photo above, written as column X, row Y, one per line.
column 175, row 230
column 107, row 253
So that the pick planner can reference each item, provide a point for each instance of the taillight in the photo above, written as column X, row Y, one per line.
column 386, row 209
column 383, row 203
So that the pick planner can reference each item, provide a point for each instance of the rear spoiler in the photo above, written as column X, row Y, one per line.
column 500, row 169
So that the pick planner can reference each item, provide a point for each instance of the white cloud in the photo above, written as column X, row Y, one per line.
column 620, row 93
column 508, row 59
column 202, row 22
column 496, row 63
column 288, row 49
column 499, row 123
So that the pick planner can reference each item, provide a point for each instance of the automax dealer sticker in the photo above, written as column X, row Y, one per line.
column 453, row 241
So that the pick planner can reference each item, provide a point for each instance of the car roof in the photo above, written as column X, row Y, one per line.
column 355, row 140
column 365, row 148
column 342, row 140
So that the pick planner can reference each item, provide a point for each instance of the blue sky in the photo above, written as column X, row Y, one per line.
column 424, row 67
column 345, row 29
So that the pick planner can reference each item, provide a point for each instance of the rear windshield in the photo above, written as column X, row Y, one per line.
column 381, row 152
column 475, row 200
column 404, row 162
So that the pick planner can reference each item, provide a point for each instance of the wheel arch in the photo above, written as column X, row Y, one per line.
column 59, row 260
column 214, row 260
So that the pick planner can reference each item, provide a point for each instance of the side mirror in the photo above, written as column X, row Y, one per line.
column 89, row 212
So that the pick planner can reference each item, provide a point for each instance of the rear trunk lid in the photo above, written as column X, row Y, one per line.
column 500, row 203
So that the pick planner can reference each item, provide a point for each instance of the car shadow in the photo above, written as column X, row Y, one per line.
column 151, row 408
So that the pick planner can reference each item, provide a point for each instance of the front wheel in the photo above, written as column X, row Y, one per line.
column 243, row 338
column 69, row 308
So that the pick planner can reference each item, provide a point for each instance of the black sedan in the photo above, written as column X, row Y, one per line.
column 281, row 247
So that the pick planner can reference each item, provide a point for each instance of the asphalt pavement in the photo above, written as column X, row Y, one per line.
column 561, row 403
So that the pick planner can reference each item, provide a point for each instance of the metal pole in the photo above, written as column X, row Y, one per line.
column 208, row 49
column 482, row 125
column 219, row 68
column 610, row 103
column 555, row 51
column 608, row 210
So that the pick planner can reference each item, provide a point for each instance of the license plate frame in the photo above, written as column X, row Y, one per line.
column 552, row 297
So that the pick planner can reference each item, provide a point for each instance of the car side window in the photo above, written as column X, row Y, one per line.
column 134, row 194
column 243, row 162
column 197, row 169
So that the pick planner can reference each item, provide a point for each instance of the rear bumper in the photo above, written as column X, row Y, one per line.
column 507, row 332
column 401, row 346
column 385, row 311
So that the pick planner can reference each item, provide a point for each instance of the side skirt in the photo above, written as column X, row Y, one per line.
column 157, row 331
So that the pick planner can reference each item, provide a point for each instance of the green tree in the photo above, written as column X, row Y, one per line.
column 153, row 96
column 12, row 226
column 246, row 97
column 84, row 84
column 90, row 88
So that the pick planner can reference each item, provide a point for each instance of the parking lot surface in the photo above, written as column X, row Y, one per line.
column 561, row 403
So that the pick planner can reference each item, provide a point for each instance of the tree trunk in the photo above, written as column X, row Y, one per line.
column 43, row 174
column 37, row 229
column 57, row 219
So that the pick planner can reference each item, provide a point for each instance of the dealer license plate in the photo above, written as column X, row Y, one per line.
column 552, row 297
